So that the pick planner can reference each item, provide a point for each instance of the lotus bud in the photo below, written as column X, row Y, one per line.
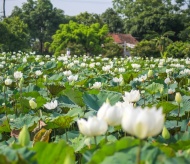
column 165, row 133
column 45, row 78
column 150, row 73
column 33, row 104
column 122, row 83
column 107, row 100
column 21, row 82
column 24, row 136
column 8, row 81
column 178, row 98
column 4, row 88
column 161, row 90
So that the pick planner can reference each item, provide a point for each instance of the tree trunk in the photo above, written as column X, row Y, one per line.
column 4, row 9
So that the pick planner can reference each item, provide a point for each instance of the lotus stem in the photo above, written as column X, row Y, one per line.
column 40, row 113
column 106, row 137
column 178, row 113
column 66, row 135
column 4, row 92
column 152, row 98
column 95, row 140
column 138, row 158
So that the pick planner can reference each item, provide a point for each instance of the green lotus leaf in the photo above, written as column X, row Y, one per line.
column 60, row 121
column 167, row 106
column 54, row 89
column 75, row 96
column 111, row 149
column 96, row 101
column 50, row 65
column 58, row 153
column 27, row 119
column 154, row 88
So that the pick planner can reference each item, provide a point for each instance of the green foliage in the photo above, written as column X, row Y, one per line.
column 178, row 49
column 82, row 99
column 96, row 101
column 15, row 33
column 88, row 19
column 145, row 48
column 112, row 49
column 89, row 38
column 42, row 20
column 57, row 153
column 141, row 17
column 113, row 20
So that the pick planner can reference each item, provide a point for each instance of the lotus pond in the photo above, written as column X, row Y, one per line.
column 82, row 109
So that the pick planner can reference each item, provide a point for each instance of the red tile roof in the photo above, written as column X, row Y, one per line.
column 121, row 38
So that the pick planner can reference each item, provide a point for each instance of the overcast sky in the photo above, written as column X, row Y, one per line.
column 70, row 7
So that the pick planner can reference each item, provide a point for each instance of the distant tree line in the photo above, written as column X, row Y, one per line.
column 161, row 27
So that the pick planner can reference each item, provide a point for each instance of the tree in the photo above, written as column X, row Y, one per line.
column 88, row 19
column 113, row 20
column 15, row 34
column 163, row 41
column 4, row 15
column 142, row 16
column 145, row 48
column 90, row 38
column 42, row 19
column 178, row 50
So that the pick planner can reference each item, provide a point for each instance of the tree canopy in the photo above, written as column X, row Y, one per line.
column 89, row 37
column 143, row 16
column 15, row 35
column 42, row 19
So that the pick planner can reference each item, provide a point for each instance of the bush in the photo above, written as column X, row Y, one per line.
column 178, row 49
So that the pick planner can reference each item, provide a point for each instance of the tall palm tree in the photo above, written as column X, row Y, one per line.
column 161, row 41
column 4, row 9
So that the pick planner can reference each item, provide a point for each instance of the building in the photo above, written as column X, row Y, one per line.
column 126, row 40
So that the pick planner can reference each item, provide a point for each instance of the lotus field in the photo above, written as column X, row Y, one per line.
column 82, row 109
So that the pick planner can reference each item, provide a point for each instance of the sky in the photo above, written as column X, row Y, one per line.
column 70, row 7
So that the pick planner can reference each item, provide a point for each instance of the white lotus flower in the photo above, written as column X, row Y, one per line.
column 8, row 81
column 51, row 105
column 94, row 126
column 136, row 66
column 167, row 80
column 91, row 65
column 132, row 96
column 72, row 78
column 67, row 73
column 83, row 65
column 143, row 123
column 118, row 80
column 24, row 60
column 97, row 85
column 18, row 75
column 142, row 78
column 106, row 68
column 171, row 91
column 121, row 70
column 111, row 114
column 41, row 63
column 38, row 73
